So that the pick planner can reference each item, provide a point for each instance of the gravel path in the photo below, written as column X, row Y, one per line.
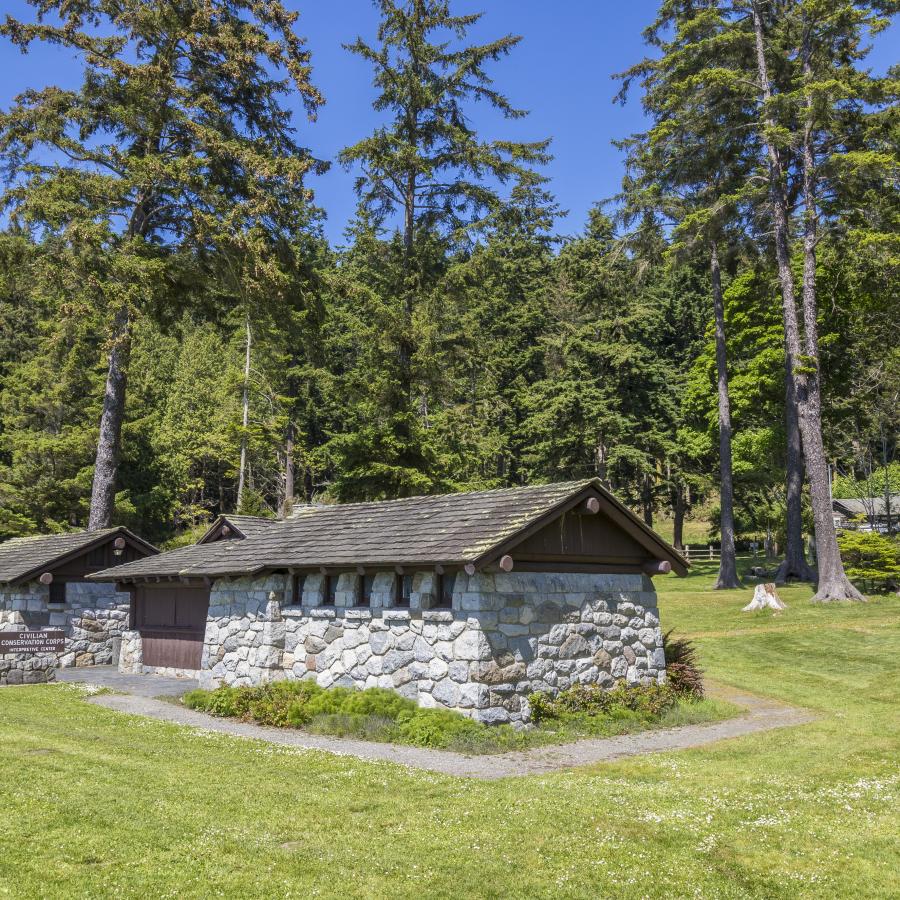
column 762, row 714
column 139, row 685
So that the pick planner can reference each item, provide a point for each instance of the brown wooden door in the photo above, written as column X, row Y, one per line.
column 172, row 623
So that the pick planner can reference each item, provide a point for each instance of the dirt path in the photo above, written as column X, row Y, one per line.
column 762, row 714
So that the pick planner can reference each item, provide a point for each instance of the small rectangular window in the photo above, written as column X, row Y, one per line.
column 57, row 592
column 297, row 582
column 364, row 595
column 443, row 595
column 330, row 590
column 402, row 590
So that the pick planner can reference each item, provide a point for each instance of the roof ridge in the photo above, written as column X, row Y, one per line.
column 21, row 538
column 518, row 488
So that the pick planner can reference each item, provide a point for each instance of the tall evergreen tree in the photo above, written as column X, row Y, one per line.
column 428, row 167
column 178, row 136
column 691, row 166
column 816, row 92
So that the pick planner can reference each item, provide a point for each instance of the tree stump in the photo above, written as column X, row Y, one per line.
column 765, row 597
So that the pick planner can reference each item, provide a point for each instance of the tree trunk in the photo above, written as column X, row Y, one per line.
column 679, row 508
column 245, row 418
column 103, row 489
column 833, row 583
column 885, row 461
column 409, row 300
column 647, row 499
column 728, row 577
column 288, row 501
column 601, row 457
column 794, row 564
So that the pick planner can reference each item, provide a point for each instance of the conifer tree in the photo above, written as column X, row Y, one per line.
column 691, row 166
column 809, row 84
column 429, row 169
column 177, row 137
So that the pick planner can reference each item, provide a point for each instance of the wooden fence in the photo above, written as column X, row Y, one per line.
column 701, row 553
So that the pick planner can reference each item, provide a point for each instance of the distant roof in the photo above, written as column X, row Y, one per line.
column 25, row 556
column 449, row 529
column 243, row 526
column 866, row 506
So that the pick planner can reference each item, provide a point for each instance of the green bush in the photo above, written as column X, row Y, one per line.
column 372, row 714
column 439, row 728
column 870, row 558
column 683, row 671
column 645, row 701
column 364, row 727
column 377, row 714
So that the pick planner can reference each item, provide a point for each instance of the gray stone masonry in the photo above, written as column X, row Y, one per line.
column 93, row 619
column 507, row 635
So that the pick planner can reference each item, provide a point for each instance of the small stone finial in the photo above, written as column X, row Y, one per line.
column 273, row 607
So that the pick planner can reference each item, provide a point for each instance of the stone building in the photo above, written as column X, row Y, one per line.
column 44, row 587
column 468, row 601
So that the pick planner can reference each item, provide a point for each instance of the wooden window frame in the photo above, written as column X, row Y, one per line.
column 329, row 590
column 298, row 579
column 55, row 586
column 401, row 600
column 437, row 599
column 361, row 598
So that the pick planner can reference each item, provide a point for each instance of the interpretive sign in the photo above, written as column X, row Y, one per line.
column 32, row 641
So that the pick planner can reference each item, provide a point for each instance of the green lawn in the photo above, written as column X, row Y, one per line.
column 93, row 803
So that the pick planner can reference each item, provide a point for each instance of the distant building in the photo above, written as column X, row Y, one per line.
column 849, row 512
column 44, row 588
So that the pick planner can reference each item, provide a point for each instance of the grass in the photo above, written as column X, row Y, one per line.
column 382, row 715
column 695, row 532
column 98, row 804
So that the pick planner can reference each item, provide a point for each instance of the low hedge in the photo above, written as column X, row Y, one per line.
column 373, row 714
column 380, row 714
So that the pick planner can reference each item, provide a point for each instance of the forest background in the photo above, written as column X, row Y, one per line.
column 187, row 329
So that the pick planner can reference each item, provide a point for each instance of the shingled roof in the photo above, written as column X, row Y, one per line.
column 23, row 557
column 244, row 526
column 448, row 529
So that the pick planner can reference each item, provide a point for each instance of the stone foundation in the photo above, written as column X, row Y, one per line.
column 21, row 668
column 506, row 636
column 93, row 619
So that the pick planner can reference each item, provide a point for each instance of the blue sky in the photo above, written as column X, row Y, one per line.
column 561, row 72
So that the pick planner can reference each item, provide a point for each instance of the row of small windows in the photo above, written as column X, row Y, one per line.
column 442, row 597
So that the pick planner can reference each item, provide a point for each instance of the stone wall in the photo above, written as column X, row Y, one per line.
column 507, row 635
column 27, row 668
column 93, row 618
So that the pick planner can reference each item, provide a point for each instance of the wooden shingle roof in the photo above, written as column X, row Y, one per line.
column 448, row 529
column 24, row 557
column 244, row 526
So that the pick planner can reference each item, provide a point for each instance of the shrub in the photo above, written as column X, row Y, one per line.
column 439, row 728
column 224, row 701
column 372, row 714
column 644, row 701
column 686, row 681
column 682, row 666
column 269, row 704
column 367, row 728
column 870, row 558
